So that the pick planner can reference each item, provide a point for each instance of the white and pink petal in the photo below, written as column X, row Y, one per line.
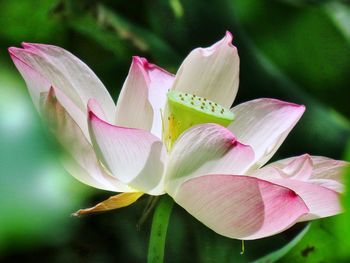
column 264, row 124
column 39, row 85
column 299, row 168
column 65, row 72
column 320, row 195
column 240, row 207
column 143, row 97
column 321, row 201
column 35, row 82
column 160, row 82
column 327, row 168
column 80, row 159
column 133, row 156
column 314, row 169
column 206, row 149
column 329, row 183
column 211, row 73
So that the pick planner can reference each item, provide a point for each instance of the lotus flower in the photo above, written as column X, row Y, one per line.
column 175, row 134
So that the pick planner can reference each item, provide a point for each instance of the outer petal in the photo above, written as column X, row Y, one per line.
column 114, row 202
column 37, row 85
column 206, row 149
column 316, row 170
column 82, row 163
column 66, row 72
column 298, row 168
column 264, row 124
column 133, row 156
column 211, row 72
column 36, row 82
column 143, row 97
column 297, row 173
column 330, row 184
column 321, row 201
column 313, row 169
column 326, row 168
column 240, row 206
column 328, row 173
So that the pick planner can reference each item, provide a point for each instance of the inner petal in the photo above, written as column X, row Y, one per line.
column 185, row 110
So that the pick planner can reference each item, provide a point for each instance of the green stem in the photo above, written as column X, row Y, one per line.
column 159, row 228
column 152, row 201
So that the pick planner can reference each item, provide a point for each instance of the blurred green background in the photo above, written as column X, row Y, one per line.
column 295, row 50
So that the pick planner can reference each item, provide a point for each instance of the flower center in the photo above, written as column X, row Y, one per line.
column 186, row 110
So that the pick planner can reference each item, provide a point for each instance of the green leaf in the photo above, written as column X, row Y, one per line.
column 320, row 244
column 87, row 25
column 114, row 32
column 34, row 25
column 140, row 37
column 342, row 226
column 311, row 46
column 177, row 8
column 273, row 56
column 278, row 254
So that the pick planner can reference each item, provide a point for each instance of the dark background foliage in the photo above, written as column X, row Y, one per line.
column 295, row 50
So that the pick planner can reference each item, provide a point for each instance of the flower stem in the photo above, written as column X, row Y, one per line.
column 152, row 201
column 159, row 228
